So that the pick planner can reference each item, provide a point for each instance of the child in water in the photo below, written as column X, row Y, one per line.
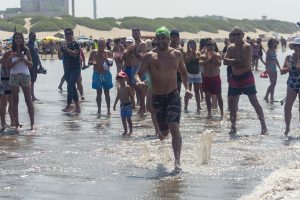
column 125, row 95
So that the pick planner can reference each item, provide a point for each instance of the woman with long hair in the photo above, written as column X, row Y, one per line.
column 194, row 74
column 271, row 68
column 20, row 63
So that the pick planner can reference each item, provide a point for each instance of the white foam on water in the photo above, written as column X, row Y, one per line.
column 283, row 184
column 204, row 147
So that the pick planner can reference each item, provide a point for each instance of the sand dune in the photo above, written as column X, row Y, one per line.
column 117, row 32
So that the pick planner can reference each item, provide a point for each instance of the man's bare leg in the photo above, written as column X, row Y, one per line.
column 233, row 105
column 129, row 124
column 290, row 99
column 107, row 99
column 124, row 125
column 259, row 112
column 208, row 104
column 176, row 143
column 98, row 100
column 3, row 105
column 220, row 103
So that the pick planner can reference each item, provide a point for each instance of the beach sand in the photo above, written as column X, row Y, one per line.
column 117, row 32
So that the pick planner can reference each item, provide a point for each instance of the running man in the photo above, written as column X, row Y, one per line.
column 239, row 56
column 102, row 78
column 162, row 64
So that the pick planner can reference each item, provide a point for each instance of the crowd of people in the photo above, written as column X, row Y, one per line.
column 150, row 74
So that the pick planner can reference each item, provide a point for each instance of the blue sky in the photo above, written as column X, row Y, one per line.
column 287, row 10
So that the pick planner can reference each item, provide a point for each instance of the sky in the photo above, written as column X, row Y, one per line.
column 238, row 9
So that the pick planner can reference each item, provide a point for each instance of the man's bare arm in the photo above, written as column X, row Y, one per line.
column 92, row 58
column 131, row 97
column 143, row 68
column 227, row 59
column 143, row 52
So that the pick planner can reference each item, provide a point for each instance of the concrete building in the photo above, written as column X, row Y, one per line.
column 50, row 8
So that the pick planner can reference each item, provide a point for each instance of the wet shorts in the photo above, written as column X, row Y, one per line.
column 195, row 78
column 212, row 85
column 242, row 84
column 102, row 81
column 131, row 71
column 22, row 80
column 168, row 109
column 126, row 110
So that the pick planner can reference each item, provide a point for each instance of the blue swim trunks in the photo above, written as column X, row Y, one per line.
column 126, row 110
column 131, row 71
column 102, row 81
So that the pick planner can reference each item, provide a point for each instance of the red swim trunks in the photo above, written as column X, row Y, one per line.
column 212, row 85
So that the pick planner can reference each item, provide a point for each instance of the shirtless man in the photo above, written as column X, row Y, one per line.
column 239, row 56
column 211, row 61
column 139, row 51
column 162, row 64
column 102, row 78
column 175, row 40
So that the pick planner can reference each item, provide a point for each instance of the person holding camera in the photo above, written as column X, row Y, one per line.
column 70, row 54
column 35, row 63
column 102, row 78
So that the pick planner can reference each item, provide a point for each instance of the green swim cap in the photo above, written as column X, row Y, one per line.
column 162, row 31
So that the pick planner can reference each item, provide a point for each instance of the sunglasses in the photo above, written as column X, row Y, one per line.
column 69, row 33
column 236, row 34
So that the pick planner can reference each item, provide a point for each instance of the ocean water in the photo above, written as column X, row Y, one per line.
column 83, row 157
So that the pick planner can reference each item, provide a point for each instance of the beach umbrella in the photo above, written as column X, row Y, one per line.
column 51, row 38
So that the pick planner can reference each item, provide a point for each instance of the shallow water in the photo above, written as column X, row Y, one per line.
column 82, row 157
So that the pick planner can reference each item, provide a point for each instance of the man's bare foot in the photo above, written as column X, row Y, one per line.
column 67, row 109
column 77, row 110
column 232, row 131
column 208, row 116
column 266, row 99
column 108, row 115
column 124, row 133
column 162, row 136
column 32, row 127
column 35, row 99
column 82, row 98
column 264, row 131
column 60, row 88
column 198, row 111
column 286, row 132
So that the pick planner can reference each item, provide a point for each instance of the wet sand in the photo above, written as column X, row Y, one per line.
column 82, row 157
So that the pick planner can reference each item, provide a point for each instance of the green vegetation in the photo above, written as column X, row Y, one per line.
column 189, row 24
column 208, row 23
column 98, row 24
column 10, row 27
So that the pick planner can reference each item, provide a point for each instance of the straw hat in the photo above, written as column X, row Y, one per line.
column 295, row 41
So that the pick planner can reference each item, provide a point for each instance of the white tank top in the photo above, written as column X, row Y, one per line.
column 20, row 68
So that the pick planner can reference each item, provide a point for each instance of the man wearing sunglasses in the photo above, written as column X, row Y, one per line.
column 242, row 81
column 70, row 54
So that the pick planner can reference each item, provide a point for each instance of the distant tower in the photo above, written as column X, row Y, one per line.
column 95, row 9
column 73, row 8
